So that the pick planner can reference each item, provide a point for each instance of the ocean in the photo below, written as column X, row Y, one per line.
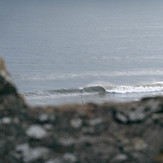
column 80, row 51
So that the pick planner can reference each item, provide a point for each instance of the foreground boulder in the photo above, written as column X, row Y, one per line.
column 90, row 133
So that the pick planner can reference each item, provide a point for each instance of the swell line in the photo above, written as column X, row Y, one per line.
column 81, row 75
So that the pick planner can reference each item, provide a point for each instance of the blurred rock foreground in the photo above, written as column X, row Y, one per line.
column 90, row 133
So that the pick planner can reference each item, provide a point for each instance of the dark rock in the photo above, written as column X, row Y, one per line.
column 6, row 85
column 110, row 132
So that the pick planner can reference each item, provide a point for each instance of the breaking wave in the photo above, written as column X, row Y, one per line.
column 122, row 89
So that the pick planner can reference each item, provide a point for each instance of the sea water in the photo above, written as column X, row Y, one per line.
column 80, row 51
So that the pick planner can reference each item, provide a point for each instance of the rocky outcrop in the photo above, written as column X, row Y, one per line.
column 109, row 132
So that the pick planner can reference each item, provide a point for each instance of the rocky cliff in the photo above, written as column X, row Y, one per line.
column 110, row 132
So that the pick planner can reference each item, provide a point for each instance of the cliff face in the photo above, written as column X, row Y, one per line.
column 110, row 132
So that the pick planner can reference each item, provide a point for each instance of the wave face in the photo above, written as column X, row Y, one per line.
column 74, row 91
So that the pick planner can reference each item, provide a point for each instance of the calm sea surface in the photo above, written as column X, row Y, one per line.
column 80, row 51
